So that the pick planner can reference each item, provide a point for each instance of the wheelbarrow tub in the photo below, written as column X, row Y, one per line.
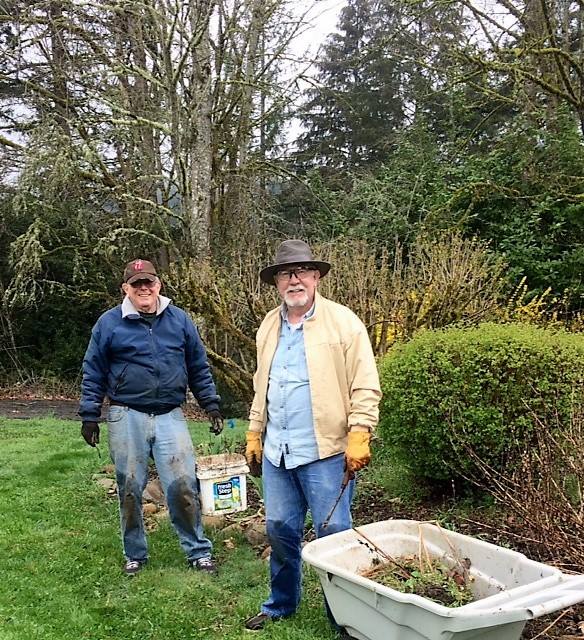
column 509, row 588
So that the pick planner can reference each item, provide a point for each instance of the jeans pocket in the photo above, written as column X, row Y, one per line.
column 178, row 415
column 115, row 414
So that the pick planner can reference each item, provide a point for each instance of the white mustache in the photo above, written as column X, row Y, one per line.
column 299, row 288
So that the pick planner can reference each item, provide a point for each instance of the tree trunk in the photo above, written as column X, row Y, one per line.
column 198, row 219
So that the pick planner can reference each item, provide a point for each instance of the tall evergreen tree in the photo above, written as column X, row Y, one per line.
column 387, row 66
column 353, row 113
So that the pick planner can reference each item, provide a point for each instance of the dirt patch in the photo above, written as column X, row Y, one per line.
column 65, row 409
column 27, row 409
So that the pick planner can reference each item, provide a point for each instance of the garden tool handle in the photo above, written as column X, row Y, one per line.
column 347, row 477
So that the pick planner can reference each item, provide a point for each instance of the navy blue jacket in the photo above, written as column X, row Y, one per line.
column 145, row 367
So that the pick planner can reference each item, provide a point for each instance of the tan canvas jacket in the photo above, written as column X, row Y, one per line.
column 344, row 384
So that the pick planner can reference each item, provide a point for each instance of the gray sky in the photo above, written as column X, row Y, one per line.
column 322, row 19
column 323, row 16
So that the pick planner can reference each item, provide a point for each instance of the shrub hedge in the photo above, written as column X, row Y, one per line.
column 450, row 391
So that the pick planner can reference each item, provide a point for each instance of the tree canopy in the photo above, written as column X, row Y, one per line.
column 162, row 128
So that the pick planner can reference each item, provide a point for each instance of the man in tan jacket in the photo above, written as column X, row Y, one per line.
column 316, row 402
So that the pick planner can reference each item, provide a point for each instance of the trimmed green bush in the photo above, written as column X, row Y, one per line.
column 451, row 394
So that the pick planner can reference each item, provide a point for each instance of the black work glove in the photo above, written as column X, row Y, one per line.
column 216, row 420
column 90, row 432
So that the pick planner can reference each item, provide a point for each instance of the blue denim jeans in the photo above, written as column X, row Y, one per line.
column 134, row 437
column 288, row 494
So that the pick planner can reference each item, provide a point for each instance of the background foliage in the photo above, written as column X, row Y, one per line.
column 451, row 397
column 439, row 165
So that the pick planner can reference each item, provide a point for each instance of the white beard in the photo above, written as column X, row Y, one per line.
column 297, row 301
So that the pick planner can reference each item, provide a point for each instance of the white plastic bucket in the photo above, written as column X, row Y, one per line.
column 222, row 480
column 510, row 589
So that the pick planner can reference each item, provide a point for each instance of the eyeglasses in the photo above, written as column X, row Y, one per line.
column 148, row 283
column 299, row 272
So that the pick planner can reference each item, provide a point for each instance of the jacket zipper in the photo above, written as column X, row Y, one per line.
column 155, row 361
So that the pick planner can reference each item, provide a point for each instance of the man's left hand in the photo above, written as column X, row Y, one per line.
column 216, row 420
column 358, row 453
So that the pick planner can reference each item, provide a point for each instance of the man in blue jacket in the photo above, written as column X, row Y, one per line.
column 143, row 354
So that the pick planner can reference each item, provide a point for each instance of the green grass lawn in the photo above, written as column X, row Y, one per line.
column 61, row 558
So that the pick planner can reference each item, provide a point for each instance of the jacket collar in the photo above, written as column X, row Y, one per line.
column 130, row 311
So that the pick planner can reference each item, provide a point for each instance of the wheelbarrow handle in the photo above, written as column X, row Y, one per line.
column 559, row 596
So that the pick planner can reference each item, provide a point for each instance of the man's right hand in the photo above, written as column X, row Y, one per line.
column 253, row 452
column 358, row 453
column 90, row 432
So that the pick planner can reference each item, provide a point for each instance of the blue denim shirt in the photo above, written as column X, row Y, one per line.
column 290, row 429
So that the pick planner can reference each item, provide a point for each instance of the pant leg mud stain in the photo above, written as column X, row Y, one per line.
column 183, row 503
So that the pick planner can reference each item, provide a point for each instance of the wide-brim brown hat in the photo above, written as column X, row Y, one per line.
column 292, row 252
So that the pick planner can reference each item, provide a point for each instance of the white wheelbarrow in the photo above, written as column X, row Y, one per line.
column 509, row 588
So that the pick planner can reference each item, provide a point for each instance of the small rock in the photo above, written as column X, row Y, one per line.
column 150, row 508
column 214, row 521
column 266, row 553
column 256, row 534
column 234, row 527
column 106, row 483
column 228, row 543
column 153, row 492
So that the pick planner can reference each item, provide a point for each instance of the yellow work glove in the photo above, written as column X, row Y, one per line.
column 357, row 454
column 253, row 452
